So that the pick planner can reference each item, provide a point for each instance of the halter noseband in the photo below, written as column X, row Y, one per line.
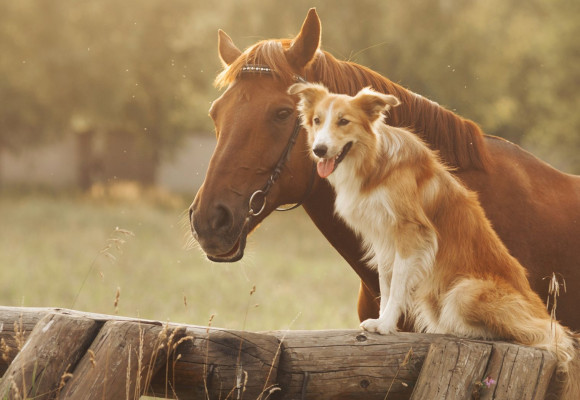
column 263, row 69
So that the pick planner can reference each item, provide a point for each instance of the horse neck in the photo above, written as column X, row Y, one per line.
column 459, row 141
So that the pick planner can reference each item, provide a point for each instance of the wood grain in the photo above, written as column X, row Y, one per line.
column 209, row 363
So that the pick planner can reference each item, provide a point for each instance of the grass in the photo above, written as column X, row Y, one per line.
column 64, row 250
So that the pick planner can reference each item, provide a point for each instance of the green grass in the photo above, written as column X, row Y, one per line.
column 50, row 252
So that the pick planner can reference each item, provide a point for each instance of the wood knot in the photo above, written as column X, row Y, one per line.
column 364, row 384
column 361, row 337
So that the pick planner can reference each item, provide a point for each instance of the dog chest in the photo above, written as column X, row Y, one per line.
column 368, row 214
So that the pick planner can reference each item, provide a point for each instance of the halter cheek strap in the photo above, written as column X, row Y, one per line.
column 262, row 193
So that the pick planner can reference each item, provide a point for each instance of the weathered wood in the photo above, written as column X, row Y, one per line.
column 457, row 369
column 53, row 349
column 519, row 369
column 121, row 361
column 350, row 364
column 336, row 364
column 219, row 364
column 451, row 369
column 16, row 324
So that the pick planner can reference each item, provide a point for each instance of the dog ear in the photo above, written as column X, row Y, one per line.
column 227, row 50
column 374, row 103
column 309, row 92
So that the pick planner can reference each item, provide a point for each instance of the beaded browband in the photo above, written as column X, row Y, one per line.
column 264, row 69
column 260, row 69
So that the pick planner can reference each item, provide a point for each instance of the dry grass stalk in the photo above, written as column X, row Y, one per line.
column 406, row 360
column 137, row 393
column 556, row 282
column 63, row 380
column 269, row 390
column 205, row 364
column 172, row 347
column 159, row 345
column 5, row 349
column 114, row 242
column 116, row 303
column 19, row 333
column 91, row 354
column 16, row 391
column 128, row 378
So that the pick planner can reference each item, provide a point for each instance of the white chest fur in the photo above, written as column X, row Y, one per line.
column 369, row 214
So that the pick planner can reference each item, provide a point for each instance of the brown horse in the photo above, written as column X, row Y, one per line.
column 261, row 162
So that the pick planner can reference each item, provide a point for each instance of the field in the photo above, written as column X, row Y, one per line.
column 128, row 254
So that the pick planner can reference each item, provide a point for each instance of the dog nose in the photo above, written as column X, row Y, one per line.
column 320, row 150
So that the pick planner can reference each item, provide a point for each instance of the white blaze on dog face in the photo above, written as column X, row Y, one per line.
column 331, row 133
column 336, row 122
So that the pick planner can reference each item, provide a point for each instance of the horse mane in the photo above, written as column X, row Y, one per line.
column 459, row 141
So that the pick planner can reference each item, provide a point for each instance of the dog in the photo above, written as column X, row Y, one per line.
column 440, row 263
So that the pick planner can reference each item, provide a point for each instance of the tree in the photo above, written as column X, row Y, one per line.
column 141, row 71
column 122, row 70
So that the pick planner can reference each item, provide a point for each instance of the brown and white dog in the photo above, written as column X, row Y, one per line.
column 440, row 263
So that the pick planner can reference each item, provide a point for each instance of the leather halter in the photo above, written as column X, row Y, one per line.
column 263, row 192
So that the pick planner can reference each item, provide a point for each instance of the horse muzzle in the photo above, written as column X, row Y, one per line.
column 219, row 236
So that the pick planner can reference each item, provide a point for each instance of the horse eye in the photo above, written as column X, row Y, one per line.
column 283, row 114
column 316, row 121
column 343, row 122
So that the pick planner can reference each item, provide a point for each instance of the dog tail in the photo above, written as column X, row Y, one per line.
column 566, row 347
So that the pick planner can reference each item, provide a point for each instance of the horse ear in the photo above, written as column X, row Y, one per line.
column 227, row 49
column 305, row 45
column 374, row 103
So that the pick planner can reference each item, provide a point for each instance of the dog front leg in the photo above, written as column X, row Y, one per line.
column 385, row 277
column 396, row 297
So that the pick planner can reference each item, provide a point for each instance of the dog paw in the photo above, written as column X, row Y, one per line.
column 378, row 326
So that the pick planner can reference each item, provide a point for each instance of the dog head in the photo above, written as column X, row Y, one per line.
column 338, row 124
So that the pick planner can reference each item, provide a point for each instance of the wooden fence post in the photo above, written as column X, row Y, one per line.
column 458, row 369
column 121, row 361
column 53, row 349
column 350, row 364
column 127, row 357
column 220, row 364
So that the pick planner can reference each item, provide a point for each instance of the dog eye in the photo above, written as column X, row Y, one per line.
column 316, row 121
column 343, row 122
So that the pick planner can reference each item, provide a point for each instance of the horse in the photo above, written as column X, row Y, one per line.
column 261, row 163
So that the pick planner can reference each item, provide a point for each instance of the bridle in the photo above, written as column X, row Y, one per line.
column 263, row 192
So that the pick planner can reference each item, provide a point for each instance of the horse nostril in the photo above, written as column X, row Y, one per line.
column 222, row 218
column 320, row 150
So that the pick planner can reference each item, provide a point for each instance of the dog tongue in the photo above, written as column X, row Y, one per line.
column 325, row 167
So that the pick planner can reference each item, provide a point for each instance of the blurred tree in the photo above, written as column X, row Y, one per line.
column 122, row 70
column 139, row 72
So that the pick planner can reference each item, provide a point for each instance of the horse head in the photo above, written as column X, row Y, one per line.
column 260, row 161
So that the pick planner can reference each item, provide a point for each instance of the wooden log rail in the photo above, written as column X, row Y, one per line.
column 64, row 354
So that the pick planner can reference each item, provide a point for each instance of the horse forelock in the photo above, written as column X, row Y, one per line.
column 269, row 53
column 459, row 141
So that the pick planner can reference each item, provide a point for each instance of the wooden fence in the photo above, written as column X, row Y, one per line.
column 64, row 354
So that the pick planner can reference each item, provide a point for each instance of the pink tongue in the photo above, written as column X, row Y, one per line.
column 325, row 167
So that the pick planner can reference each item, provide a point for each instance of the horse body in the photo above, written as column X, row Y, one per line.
column 534, row 208
column 541, row 230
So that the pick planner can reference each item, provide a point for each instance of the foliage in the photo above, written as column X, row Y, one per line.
column 107, row 66
column 145, row 67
